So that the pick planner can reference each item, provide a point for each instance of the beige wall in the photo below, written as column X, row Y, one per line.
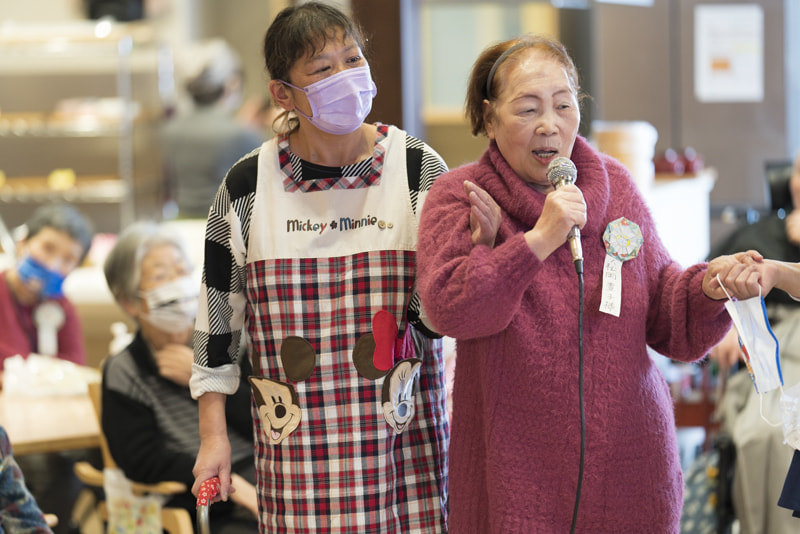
column 450, row 136
column 40, row 10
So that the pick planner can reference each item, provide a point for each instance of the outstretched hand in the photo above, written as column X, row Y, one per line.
column 742, row 275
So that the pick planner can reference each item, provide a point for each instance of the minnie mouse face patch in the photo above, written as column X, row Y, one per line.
column 399, row 394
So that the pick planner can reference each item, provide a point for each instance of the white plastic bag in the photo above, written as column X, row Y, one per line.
column 790, row 406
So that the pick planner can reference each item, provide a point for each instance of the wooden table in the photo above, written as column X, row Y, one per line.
column 41, row 424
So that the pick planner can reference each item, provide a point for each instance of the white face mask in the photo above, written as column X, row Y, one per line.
column 761, row 351
column 173, row 306
column 757, row 341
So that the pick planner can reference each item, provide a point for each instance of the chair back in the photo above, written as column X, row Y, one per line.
column 96, row 395
column 173, row 520
column 779, row 174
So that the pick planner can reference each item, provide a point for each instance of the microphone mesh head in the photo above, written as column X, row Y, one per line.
column 561, row 171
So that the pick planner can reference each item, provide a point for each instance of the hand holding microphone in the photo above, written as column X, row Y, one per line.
column 561, row 172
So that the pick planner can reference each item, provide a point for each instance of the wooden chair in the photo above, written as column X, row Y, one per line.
column 173, row 520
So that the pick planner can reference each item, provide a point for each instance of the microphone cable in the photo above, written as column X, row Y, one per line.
column 560, row 172
column 579, row 270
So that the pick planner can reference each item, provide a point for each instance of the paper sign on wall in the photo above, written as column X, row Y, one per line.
column 729, row 53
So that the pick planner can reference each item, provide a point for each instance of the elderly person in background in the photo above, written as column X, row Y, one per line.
column 35, row 315
column 775, row 237
column 763, row 452
column 763, row 456
column 525, row 386
column 201, row 144
column 149, row 417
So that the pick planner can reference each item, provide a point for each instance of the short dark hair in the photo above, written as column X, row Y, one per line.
column 302, row 30
column 64, row 218
column 202, row 94
column 210, row 65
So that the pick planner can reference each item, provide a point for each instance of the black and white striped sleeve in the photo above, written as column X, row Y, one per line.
column 220, row 318
column 423, row 165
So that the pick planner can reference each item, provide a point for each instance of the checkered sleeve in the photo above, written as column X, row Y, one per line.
column 220, row 317
column 423, row 166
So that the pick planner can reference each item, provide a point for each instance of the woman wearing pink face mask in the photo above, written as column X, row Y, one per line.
column 35, row 315
column 310, row 258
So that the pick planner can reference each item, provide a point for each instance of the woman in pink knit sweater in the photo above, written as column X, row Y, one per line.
column 517, row 460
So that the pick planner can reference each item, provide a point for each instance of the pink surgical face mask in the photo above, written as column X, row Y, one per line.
column 340, row 103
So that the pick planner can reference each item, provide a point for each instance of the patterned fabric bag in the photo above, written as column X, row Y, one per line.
column 128, row 513
column 700, row 497
column 707, row 503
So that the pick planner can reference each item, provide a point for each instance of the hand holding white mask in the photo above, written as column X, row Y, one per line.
column 762, row 356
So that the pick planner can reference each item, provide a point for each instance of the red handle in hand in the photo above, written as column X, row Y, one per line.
column 208, row 490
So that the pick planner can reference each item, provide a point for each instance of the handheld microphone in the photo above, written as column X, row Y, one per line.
column 561, row 172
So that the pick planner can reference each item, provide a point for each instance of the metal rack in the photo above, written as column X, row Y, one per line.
column 79, row 107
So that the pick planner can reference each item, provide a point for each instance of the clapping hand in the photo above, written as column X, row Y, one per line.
column 484, row 216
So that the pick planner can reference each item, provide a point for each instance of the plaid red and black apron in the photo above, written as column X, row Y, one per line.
column 323, row 260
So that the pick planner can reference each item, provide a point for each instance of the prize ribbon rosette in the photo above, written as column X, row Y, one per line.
column 623, row 239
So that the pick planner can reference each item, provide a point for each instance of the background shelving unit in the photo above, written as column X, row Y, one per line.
column 83, row 99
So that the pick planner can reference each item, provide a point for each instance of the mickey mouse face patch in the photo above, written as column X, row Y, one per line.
column 378, row 354
column 278, row 407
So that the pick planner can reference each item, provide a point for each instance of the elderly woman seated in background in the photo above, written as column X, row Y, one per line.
column 149, row 417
